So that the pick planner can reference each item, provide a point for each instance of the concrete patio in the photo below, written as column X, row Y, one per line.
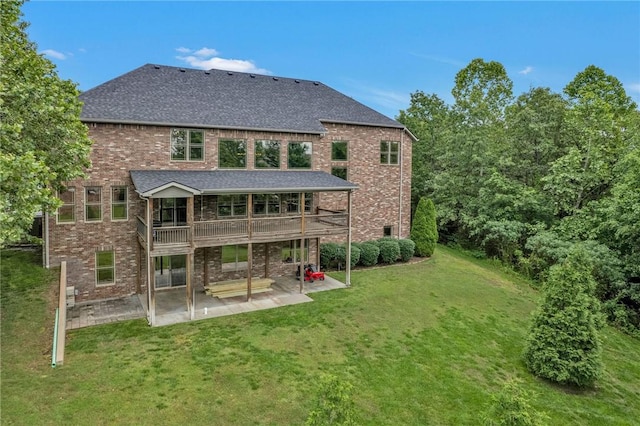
column 171, row 304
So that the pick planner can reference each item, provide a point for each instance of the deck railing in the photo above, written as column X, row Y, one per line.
column 230, row 228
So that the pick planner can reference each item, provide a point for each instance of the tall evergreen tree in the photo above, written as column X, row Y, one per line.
column 563, row 343
column 424, row 231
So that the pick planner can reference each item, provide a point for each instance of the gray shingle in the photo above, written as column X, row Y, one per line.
column 174, row 96
column 240, row 181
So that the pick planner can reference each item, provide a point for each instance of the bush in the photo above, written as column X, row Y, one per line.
column 333, row 405
column 424, row 230
column 511, row 407
column 355, row 255
column 328, row 254
column 407, row 248
column 563, row 343
column 369, row 253
column 389, row 250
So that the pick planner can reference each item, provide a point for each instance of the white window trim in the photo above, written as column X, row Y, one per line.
column 86, row 204
column 112, row 267
column 66, row 222
column 187, row 152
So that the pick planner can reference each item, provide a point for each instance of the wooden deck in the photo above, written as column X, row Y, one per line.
column 177, row 239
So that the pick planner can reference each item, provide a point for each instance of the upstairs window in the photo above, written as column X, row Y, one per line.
column 232, row 205
column 267, row 154
column 339, row 151
column 266, row 204
column 187, row 145
column 340, row 172
column 67, row 211
column 119, row 201
column 389, row 152
column 232, row 154
column 299, row 155
column 93, row 204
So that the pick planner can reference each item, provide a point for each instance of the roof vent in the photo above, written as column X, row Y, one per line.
column 297, row 81
column 207, row 72
column 315, row 83
column 229, row 73
column 252, row 76
column 156, row 67
column 275, row 78
column 182, row 70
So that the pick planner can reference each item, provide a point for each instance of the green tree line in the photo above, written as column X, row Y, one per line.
column 526, row 178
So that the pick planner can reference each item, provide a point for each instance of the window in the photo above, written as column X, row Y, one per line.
column 232, row 205
column 170, row 271
column 234, row 258
column 266, row 204
column 387, row 231
column 389, row 152
column 187, row 145
column 291, row 251
column 339, row 151
column 119, row 200
column 340, row 172
column 299, row 155
column 170, row 211
column 232, row 154
column 93, row 204
column 105, row 267
column 291, row 202
column 267, row 154
column 67, row 211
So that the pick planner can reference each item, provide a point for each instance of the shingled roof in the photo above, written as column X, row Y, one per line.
column 147, row 182
column 172, row 96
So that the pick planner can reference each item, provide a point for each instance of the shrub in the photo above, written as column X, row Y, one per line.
column 369, row 253
column 407, row 248
column 563, row 343
column 424, row 230
column 389, row 250
column 511, row 407
column 355, row 255
column 333, row 405
column 328, row 254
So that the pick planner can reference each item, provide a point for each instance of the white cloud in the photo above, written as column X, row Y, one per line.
column 388, row 102
column 633, row 87
column 526, row 71
column 205, row 52
column 54, row 54
column 441, row 59
column 207, row 58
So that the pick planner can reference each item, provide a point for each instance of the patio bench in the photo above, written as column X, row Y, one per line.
column 234, row 288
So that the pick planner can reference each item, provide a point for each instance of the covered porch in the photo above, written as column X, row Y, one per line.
column 256, row 222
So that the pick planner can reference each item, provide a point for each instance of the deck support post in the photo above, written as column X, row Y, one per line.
column 249, row 245
column 151, row 271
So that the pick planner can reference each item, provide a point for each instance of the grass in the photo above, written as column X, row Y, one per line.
column 425, row 343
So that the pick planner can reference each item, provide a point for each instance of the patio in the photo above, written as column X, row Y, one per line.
column 171, row 304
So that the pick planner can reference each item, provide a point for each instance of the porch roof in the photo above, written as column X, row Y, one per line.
column 149, row 182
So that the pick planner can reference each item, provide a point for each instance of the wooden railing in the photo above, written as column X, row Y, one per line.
column 171, row 235
column 324, row 223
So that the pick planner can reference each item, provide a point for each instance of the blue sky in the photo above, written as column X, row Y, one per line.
column 376, row 52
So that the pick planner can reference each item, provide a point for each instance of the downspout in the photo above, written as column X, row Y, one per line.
column 401, row 177
column 348, row 259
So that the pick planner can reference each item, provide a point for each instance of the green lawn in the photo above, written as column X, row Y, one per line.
column 422, row 344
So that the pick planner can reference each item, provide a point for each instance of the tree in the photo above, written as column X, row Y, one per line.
column 563, row 343
column 424, row 231
column 43, row 143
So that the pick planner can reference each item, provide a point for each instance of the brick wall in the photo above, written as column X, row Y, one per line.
column 120, row 148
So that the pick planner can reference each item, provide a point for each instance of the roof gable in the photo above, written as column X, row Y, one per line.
column 183, row 97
